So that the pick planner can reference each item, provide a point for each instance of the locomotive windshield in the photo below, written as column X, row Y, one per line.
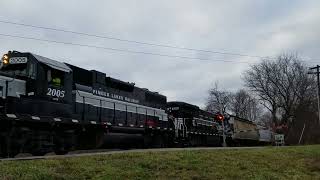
column 17, row 66
column 15, row 69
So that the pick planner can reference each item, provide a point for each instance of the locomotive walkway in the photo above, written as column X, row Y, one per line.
column 117, row 151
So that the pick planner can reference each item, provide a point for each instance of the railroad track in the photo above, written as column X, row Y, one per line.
column 118, row 151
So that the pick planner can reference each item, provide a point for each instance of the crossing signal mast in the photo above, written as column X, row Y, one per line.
column 316, row 70
column 220, row 117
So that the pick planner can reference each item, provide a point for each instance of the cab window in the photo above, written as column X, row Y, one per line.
column 32, row 71
column 55, row 78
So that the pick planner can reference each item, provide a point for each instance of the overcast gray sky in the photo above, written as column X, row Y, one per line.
column 263, row 28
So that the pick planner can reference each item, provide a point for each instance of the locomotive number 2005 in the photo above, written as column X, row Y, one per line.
column 55, row 93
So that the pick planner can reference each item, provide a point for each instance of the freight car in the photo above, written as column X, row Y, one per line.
column 48, row 106
column 247, row 133
column 266, row 136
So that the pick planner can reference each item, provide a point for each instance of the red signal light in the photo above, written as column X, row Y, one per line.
column 219, row 117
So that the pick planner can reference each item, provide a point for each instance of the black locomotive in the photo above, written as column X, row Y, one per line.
column 50, row 106
column 193, row 126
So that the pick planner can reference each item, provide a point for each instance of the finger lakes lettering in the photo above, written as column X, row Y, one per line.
column 113, row 96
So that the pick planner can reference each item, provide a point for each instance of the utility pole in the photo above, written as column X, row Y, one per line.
column 317, row 68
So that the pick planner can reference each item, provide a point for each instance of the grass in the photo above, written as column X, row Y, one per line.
column 268, row 163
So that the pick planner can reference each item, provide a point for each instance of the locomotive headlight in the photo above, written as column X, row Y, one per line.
column 5, row 59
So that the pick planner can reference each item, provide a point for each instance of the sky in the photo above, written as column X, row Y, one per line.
column 250, row 27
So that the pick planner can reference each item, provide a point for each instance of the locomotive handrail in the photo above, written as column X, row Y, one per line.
column 106, row 101
column 100, row 99
column 126, row 106
column 7, row 88
column 150, row 108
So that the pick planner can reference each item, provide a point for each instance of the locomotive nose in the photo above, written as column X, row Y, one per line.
column 11, row 87
column 3, row 86
column 2, row 94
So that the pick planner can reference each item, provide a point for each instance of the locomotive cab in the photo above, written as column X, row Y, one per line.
column 35, row 85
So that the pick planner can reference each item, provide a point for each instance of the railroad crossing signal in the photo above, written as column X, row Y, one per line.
column 219, row 117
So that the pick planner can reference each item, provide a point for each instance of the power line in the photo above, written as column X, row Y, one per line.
column 133, row 41
column 119, row 50
column 127, row 51
column 144, row 43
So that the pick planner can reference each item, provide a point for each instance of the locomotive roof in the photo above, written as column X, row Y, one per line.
column 52, row 63
column 182, row 104
column 110, row 79
column 44, row 60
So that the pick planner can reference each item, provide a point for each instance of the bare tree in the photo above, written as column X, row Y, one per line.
column 245, row 106
column 218, row 100
column 266, row 119
column 281, row 85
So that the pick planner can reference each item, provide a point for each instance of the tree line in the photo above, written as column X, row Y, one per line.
column 278, row 94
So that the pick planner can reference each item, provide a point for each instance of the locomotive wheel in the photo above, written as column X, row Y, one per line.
column 60, row 152
column 2, row 148
column 10, row 149
column 38, row 153
column 99, row 139
column 147, row 142
column 60, row 148
column 23, row 155
column 159, row 142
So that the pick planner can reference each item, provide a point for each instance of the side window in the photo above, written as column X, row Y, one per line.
column 32, row 71
column 49, row 78
column 55, row 78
